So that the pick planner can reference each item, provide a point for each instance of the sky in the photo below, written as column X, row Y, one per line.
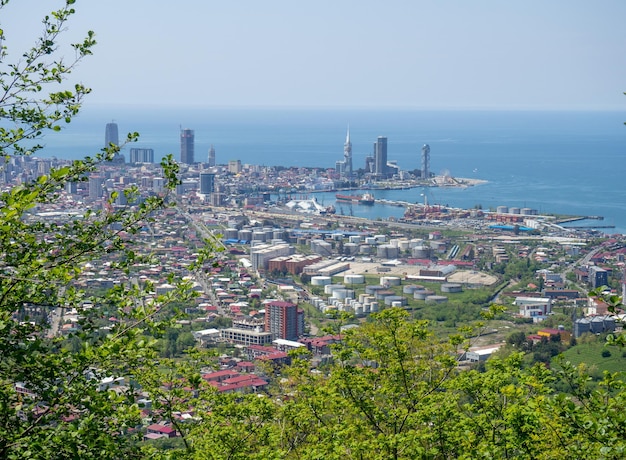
column 414, row 54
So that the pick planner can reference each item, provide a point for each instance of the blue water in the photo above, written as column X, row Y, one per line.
column 555, row 162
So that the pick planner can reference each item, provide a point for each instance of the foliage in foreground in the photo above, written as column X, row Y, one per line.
column 395, row 391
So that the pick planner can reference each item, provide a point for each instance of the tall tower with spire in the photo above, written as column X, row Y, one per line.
column 425, row 161
column 347, row 156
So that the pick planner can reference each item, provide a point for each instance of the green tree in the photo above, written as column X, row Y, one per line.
column 52, row 403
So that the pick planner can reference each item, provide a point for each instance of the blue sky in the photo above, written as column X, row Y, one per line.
column 559, row 54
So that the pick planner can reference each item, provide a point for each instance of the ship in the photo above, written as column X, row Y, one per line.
column 366, row 198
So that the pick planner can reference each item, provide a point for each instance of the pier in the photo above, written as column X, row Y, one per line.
column 577, row 218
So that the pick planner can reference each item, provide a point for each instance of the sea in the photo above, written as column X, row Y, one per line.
column 561, row 162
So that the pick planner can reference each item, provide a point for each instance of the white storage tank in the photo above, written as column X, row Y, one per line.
column 354, row 279
column 356, row 239
column 330, row 288
column 343, row 294
column 502, row 209
column 389, row 281
column 320, row 280
column 370, row 240
column 403, row 245
column 416, row 242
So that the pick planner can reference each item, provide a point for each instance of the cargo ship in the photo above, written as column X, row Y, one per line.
column 366, row 198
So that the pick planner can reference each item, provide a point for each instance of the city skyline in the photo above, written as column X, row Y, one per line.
column 444, row 55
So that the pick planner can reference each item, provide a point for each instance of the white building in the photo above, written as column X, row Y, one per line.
column 534, row 307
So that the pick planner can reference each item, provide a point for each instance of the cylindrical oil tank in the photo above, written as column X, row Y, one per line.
column 436, row 298
column 451, row 287
column 403, row 245
column 421, row 295
column 330, row 288
column 396, row 299
column 502, row 209
column 365, row 249
column 373, row 307
column 514, row 210
column 258, row 235
column 278, row 233
column 245, row 234
column 372, row 289
column 231, row 234
column 351, row 248
column 411, row 288
column 416, row 242
column 343, row 294
column 389, row 281
column 382, row 294
column 421, row 252
column 356, row 239
column 320, row 280
column 353, row 279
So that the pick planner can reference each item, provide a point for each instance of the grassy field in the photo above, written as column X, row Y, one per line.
column 591, row 355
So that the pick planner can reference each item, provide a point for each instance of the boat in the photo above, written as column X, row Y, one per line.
column 366, row 198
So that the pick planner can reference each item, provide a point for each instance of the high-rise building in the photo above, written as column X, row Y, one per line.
column 211, row 156
column 186, row 146
column 111, row 135
column 284, row 320
column 141, row 155
column 96, row 187
column 425, row 161
column 598, row 277
column 234, row 166
column 207, row 183
column 347, row 156
column 380, row 157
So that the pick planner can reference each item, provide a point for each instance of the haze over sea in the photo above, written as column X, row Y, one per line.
column 552, row 161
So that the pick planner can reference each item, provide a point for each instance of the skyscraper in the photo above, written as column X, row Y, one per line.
column 111, row 135
column 186, row 146
column 380, row 157
column 207, row 183
column 425, row 161
column 211, row 156
column 347, row 156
